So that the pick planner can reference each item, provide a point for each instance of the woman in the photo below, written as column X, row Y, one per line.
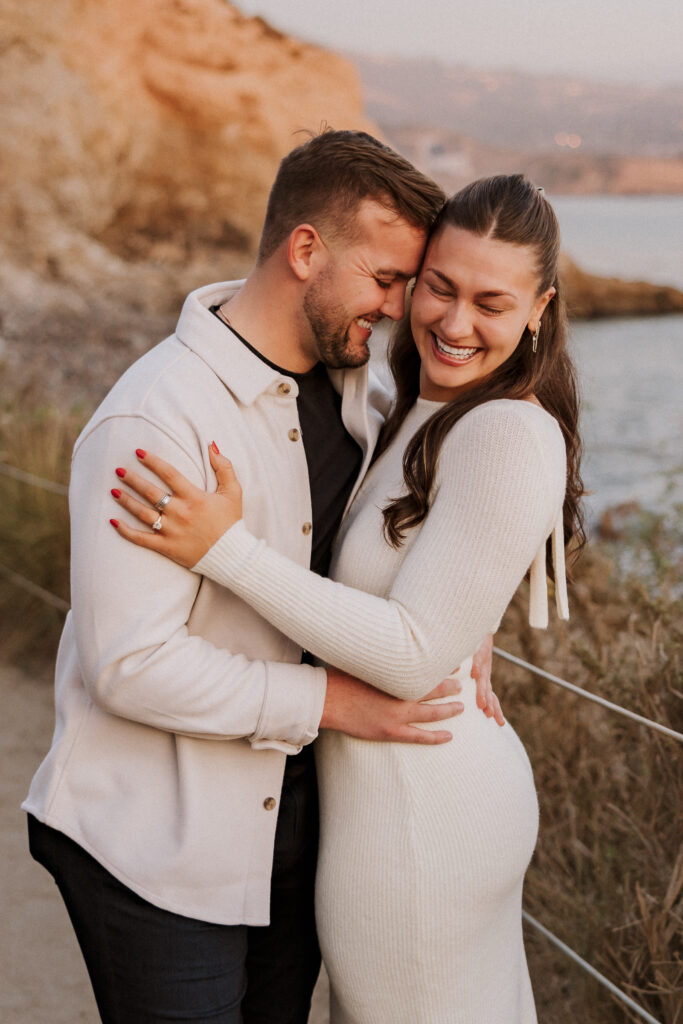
column 423, row 856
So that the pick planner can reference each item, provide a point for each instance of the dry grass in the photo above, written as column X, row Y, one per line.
column 34, row 528
column 607, row 876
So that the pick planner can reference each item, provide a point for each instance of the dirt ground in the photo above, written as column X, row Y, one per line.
column 42, row 976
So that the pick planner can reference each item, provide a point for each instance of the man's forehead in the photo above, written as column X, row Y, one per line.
column 373, row 214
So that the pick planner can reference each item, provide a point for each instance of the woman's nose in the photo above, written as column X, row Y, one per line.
column 456, row 321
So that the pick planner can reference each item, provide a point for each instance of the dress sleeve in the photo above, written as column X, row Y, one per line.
column 499, row 485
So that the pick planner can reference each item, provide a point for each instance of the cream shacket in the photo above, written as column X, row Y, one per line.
column 497, row 497
column 176, row 703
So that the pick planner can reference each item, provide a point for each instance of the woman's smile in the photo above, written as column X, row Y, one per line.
column 456, row 355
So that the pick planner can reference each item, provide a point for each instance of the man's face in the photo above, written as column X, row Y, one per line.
column 360, row 284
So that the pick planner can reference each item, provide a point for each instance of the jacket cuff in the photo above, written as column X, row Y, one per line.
column 292, row 707
column 294, row 694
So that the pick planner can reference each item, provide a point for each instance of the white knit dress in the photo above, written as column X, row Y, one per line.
column 424, row 849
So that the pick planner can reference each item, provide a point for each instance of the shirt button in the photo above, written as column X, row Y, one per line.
column 294, row 434
column 306, row 528
column 284, row 387
column 269, row 803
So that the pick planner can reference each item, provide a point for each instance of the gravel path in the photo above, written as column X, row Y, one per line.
column 42, row 976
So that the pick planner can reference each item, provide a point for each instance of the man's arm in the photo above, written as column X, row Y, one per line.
column 358, row 709
column 131, row 608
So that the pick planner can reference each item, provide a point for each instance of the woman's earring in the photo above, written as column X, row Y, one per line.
column 534, row 337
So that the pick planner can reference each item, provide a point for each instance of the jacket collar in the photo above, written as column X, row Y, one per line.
column 242, row 372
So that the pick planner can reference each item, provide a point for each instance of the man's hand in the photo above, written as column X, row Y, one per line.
column 481, row 673
column 359, row 710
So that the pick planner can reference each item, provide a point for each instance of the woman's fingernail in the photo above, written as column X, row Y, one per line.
column 120, row 472
column 116, row 492
column 115, row 523
column 214, row 448
column 140, row 452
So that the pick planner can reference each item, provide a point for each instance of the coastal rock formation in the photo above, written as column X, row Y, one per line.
column 149, row 131
column 138, row 145
column 589, row 295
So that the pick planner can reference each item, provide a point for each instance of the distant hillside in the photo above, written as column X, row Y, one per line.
column 510, row 109
column 570, row 135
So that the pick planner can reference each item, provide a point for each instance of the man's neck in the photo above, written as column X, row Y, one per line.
column 265, row 313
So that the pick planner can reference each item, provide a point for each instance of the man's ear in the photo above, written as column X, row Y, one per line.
column 304, row 250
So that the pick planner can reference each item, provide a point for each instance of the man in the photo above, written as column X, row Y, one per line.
column 179, row 710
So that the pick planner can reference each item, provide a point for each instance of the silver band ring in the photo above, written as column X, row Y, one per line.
column 156, row 525
column 161, row 504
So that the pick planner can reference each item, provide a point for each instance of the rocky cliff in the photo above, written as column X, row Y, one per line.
column 152, row 130
column 591, row 296
column 139, row 141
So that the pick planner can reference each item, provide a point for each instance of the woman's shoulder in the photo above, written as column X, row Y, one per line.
column 502, row 413
column 506, row 426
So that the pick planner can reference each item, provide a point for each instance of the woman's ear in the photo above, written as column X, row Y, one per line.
column 539, row 308
column 304, row 250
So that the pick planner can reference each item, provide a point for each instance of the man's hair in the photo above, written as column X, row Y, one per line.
column 323, row 182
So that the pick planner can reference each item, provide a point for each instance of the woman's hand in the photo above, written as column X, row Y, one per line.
column 481, row 673
column 191, row 521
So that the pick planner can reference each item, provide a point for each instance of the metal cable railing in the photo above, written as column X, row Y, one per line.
column 587, row 695
column 62, row 605
column 32, row 588
column 29, row 478
column 610, row 986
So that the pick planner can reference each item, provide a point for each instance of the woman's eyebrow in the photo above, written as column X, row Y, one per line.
column 489, row 294
column 446, row 280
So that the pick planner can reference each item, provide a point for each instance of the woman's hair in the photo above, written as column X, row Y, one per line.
column 508, row 208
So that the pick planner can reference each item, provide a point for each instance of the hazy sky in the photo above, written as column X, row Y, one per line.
column 626, row 40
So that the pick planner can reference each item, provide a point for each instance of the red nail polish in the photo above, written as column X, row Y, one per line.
column 116, row 492
column 120, row 472
column 214, row 448
column 114, row 522
column 140, row 452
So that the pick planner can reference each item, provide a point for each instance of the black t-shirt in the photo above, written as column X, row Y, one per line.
column 332, row 455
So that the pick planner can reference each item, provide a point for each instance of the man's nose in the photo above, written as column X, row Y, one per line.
column 394, row 304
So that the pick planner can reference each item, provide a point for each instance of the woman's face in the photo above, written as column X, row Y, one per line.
column 472, row 301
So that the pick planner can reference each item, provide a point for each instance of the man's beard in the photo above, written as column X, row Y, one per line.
column 331, row 326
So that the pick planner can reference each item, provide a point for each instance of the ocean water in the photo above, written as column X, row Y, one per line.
column 631, row 375
column 634, row 237
column 630, row 370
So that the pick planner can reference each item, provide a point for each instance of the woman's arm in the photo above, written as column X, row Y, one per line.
column 498, row 490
